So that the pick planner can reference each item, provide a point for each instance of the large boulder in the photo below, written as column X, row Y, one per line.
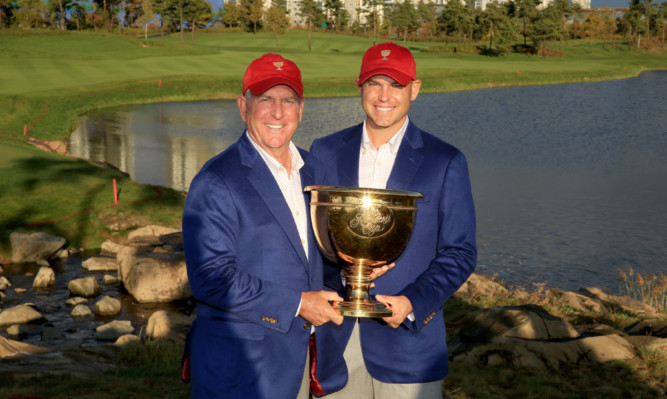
column 35, row 247
column 10, row 349
column 154, row 274
column 19, row 314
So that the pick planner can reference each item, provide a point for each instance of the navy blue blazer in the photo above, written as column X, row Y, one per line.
column 440, row 256
column 247, row 268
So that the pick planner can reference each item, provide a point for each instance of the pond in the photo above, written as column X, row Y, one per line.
column 569, row 180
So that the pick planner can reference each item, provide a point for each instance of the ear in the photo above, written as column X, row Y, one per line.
column 416, row 85
column 243, row 106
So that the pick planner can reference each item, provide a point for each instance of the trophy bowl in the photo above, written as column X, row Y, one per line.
column 360, row 229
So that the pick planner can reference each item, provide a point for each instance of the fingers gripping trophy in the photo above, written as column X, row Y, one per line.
column 360, row 229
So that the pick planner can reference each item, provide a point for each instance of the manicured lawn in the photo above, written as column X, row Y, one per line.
column 49, row 78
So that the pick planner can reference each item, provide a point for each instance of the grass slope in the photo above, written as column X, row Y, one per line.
column 49, row 78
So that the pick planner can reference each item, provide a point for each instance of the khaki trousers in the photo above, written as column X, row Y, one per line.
column 361, row 385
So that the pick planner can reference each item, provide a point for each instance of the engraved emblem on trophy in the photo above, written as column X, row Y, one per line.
column 360, row 229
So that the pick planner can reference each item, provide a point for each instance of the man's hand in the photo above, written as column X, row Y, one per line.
column 317, row 309
column 400, row 306
column 379, row 271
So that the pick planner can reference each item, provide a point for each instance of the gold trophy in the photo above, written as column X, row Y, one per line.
column 360, row 229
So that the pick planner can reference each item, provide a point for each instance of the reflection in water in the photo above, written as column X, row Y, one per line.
column 569, row 180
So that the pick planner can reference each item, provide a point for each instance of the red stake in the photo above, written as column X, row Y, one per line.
column 115, row 193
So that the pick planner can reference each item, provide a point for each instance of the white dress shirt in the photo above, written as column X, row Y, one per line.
column 375, row 164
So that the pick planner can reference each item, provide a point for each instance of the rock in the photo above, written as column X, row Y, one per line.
column 127, row 339
column 527, row 322
column 20, row 290
column 100, row 264
column 81, row 310
column 45, row 278
column 76, row 301
column 17, row 331
column 110, row 247
column 168, row 325
column 122, row 222
column 19, row 314
column 109, row 279
column 4, row 283
column 34, row 247
column 622, row 303
column 113, row 330
column 576, row 301
column 107, row 306
column 86, row 287
column 152, row 231
column 654, row 326
column 9, row 348
column 153, row 277
column 478, row 286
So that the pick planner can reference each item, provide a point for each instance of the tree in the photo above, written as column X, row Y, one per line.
column 456, row 17
column 403, row 16
column 252, row 12
column 371, row 8
column 146, row 16
column 495, row 21
column 29, row 13
column 231, row 15
column 312, row 14
column 197, row 12
column 546, row 25
column 277, row 19
column 336, row 14
column 525, row 10
column 428, row 16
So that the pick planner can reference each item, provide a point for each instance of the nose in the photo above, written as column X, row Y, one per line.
column 384, row 93
column 277, row 110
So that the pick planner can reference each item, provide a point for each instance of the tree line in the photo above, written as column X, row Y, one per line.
column 499, row 26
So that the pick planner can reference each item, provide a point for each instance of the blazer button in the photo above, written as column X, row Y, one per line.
column 306, row 326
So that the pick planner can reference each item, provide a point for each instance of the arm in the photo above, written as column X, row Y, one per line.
column 455, row 255
column 211, row 236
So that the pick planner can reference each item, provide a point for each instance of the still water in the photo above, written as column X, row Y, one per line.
column 570, row 180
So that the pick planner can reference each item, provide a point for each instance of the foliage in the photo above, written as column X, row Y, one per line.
column 277, row 20
column 650, row 288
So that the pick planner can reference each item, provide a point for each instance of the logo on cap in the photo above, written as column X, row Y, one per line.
column 385, row 54
column 278, row 65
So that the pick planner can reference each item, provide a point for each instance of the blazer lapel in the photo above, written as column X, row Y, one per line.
column 407, row 161
column 348, row 158
column 262, row 180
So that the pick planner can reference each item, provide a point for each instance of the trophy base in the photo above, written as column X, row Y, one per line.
column 363, row 308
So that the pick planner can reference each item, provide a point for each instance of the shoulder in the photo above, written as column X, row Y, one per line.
column 430, row 144
column 337, row 139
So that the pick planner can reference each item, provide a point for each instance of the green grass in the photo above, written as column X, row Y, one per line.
column 49, row 78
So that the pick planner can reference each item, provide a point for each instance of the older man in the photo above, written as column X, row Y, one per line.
column 253, row 266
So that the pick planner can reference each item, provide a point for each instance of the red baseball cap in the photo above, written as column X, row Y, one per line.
column 271, row 70
column 388, row 59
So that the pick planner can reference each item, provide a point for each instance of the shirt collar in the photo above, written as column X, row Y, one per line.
column 394, row 142
column 272, row 163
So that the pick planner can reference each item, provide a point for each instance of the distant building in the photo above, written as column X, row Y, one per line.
column 582, row 3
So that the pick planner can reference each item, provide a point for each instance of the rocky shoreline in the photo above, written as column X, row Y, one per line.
column 150, row 266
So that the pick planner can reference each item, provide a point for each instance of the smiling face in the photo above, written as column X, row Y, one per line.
column 272, row 118
column 386, row 103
